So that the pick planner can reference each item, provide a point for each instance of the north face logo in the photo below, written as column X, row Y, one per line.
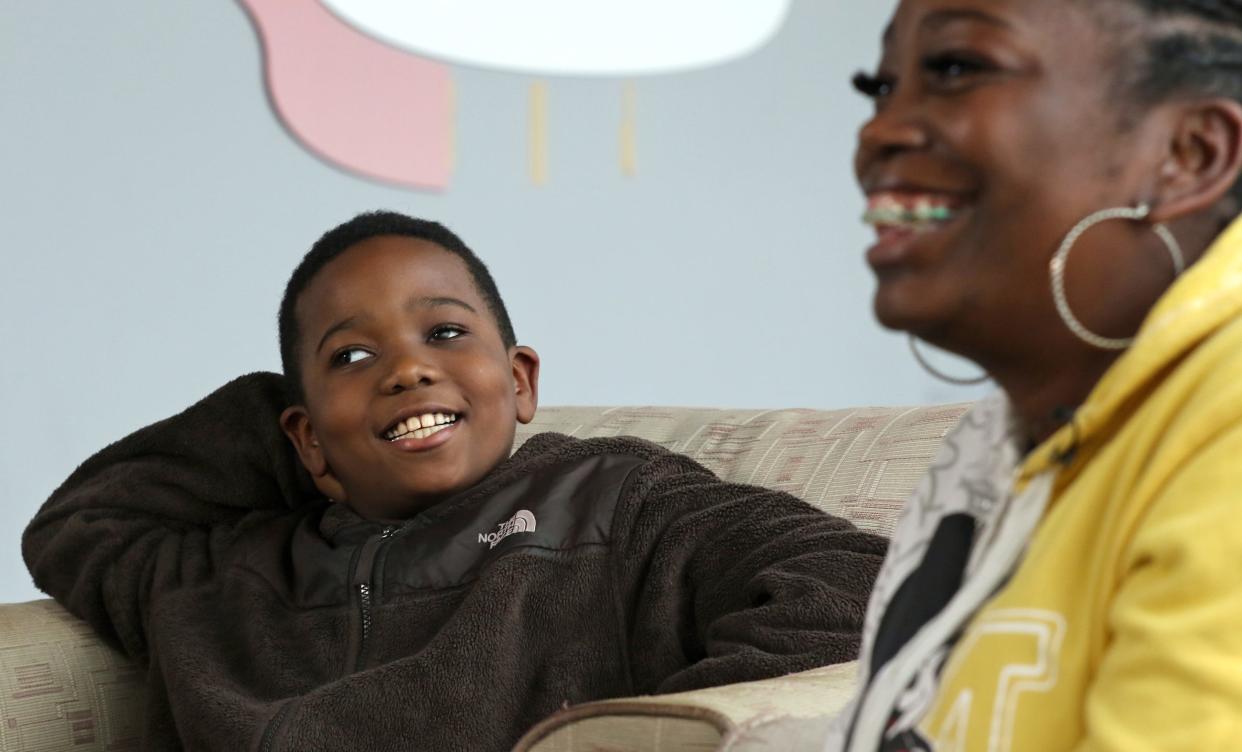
column 522, row 522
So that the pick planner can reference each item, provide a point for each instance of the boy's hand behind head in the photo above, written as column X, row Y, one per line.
column 410, row 393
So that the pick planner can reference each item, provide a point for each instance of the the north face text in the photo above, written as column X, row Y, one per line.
column 522, row 522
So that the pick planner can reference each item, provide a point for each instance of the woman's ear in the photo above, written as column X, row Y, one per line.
column 1203, row 160
column 296, row 424
column 525, row 362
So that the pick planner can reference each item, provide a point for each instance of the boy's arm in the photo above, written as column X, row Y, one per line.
column 158, row 503
column 740, row 582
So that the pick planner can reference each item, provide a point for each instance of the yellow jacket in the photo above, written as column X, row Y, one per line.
column 1101, row 607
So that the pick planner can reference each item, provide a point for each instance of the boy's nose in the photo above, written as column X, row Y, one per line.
column 410, row 371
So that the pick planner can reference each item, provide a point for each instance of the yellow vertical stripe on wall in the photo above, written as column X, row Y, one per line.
column 629, row 145
column 538, row 142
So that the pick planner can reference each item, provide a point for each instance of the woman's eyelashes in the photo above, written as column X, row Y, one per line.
column 945, row 71
column 873, row 86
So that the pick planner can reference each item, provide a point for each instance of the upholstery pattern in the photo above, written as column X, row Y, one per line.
column 61, row 688
column 860, row 463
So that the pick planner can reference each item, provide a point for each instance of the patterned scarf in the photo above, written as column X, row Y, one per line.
column 960, row 537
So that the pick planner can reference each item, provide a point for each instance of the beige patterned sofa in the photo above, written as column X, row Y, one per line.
column 61, row 689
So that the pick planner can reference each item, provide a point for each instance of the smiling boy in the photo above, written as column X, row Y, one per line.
column 416, row 587
column 395, row 331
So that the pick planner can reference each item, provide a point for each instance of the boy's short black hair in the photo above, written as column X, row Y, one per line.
column 341, row 238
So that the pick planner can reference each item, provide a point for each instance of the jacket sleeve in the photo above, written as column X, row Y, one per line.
column 1171, row 678
column 156, row 506
column 735, row 583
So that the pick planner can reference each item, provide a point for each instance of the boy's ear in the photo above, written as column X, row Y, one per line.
column 1203, row 159
column 296, row 424
column 525, row 363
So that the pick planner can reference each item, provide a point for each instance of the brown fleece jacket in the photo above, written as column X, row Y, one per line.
column 271, row 619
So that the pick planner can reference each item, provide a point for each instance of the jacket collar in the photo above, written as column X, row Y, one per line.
column 341, row 524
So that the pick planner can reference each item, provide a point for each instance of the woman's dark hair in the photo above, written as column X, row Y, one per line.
column 341, row 238
column 1187, row 48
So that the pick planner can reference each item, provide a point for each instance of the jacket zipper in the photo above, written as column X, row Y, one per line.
column 362, row 579
column 364, row 572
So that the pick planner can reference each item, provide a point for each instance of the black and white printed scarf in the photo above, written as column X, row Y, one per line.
column 960, row 537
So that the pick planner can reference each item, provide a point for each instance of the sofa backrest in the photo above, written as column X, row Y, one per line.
column 859, row 463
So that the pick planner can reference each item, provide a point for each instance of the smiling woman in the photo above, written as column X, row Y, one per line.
column 1053, row 184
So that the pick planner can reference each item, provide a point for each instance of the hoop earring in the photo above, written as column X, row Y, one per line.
column 918, row 356
column 1056, row 270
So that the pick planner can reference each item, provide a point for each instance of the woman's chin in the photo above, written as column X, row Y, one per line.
column 899, row 311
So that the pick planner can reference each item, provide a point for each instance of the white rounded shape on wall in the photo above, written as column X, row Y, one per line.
column 571, row 37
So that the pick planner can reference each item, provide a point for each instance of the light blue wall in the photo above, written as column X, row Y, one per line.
column 151, row 208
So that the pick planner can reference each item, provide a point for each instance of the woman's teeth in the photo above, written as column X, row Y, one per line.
column 915, row 212
column 420, row 427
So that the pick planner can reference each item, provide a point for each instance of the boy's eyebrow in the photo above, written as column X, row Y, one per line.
column 433, row 301
column 338, row 326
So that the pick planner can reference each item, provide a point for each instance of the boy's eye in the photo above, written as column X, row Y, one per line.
column 873, row 86
column 446, row 332
column 349, row 356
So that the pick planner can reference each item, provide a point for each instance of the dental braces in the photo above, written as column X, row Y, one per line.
column 903, row 215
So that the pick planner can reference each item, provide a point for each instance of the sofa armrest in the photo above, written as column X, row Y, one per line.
column 789, row 712
column 61, row 687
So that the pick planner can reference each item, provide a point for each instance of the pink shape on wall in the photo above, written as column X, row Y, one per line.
column 354, row 101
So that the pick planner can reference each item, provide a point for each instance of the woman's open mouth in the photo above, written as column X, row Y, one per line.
column 902, row 217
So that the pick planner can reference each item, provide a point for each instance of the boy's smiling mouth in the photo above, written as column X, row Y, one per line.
column 420, row 426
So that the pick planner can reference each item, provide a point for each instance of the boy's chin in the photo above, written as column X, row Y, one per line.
column 410, row 504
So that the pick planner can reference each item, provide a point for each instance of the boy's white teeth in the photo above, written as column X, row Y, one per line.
column 420, row 426
column 906, row 209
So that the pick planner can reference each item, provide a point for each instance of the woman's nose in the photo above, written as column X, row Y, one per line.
column 898, row 126
column 411, row 369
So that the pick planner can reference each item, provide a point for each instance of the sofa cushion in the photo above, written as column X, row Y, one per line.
column 61, row 688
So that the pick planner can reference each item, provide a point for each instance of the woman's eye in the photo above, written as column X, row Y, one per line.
column 349, row 356
column 951, row 68
column 446, row 332
column 873, row 86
